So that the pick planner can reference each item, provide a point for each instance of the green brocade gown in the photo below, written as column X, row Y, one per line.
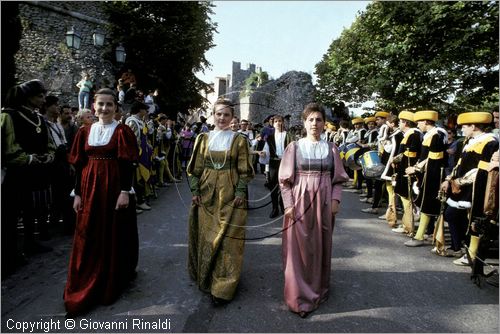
column 216, row 228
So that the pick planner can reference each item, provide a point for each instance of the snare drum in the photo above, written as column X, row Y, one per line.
column 350, row 156
column 371, row 165
column 342, row 149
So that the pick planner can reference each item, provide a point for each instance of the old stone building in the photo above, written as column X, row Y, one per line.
column 286, row 95
column 43, row 52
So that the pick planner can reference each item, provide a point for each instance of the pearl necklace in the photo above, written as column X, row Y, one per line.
column 37, row 126
column 218, row 165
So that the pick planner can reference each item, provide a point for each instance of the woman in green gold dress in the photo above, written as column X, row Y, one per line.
column 219, row 171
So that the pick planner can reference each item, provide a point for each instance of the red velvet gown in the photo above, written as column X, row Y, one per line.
column 105, row 246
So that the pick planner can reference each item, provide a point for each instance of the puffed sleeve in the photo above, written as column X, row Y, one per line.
column 12, row 153
column 339, row 176
column 244, row 166
column 196, row 164
column 286, row 174
column 78, row 157
column 128, row 154
column 127, row 144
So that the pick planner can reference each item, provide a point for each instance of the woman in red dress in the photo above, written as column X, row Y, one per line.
column 105, row 246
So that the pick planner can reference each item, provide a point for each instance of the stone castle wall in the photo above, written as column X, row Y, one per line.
column 286, row 96
column 43, row 53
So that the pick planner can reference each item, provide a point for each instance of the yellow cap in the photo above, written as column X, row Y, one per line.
column 426, row 115
column 383, row 114
column 357, row 120
column 330, row 125
column 369, row 119
column 478, row 117
column 406, row 115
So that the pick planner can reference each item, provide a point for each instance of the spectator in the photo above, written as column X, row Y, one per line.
column 85, row 86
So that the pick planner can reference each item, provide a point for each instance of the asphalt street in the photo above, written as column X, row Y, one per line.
column 377, row 284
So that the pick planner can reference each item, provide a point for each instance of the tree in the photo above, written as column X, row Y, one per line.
column 253, row 81
column 440, row 55
column 165, row 44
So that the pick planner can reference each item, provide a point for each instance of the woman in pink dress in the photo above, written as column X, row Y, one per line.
column 310, row 176
column 105, row 245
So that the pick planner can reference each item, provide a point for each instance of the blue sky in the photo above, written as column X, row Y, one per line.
column 278, row 36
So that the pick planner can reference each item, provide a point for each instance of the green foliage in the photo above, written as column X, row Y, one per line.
column 253, row 81
column 440, row 55
column 165, row 43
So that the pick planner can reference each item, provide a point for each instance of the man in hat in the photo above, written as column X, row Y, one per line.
column 369, row 142
column 429, row 171
column 382, row 134
column 135, row 121
column 357, row 135
column 391, row 149
column 408, row 154
column 466, row 184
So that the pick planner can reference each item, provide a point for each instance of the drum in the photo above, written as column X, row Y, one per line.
column 358, row 155
column 371, row 165
column 342, row 149
column 350, row 156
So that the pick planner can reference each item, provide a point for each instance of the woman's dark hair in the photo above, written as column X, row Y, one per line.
column 106, row 91
column 313, row 107
column 18, row 94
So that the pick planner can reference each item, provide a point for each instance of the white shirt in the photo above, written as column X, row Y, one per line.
column 57, row 133
column 247, row 133
column 279, row 139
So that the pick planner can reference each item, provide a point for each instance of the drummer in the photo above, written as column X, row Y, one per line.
column 369, row 142
column 342, row 132
column 382, row 135
column 408, row 154
column 391, row 148
column 433, row 156
column 357, row 135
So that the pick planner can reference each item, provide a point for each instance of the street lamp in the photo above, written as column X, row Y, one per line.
column 120, row 54
column 73, row 39
column 98, row 39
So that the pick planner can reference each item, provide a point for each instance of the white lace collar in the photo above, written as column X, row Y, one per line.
column 313, row 149
column 100, row 134
column 220, row 140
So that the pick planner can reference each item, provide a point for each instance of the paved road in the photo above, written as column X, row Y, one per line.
column 377, row 285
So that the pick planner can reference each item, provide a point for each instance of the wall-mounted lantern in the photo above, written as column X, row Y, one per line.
column 73, row 39
column 98, row 39
column 120, row 54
